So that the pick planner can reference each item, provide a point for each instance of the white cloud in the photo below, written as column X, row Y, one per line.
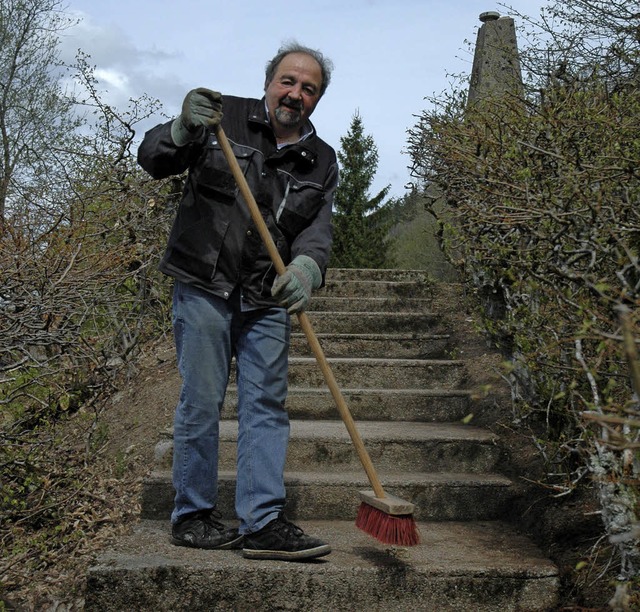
column 112, row 78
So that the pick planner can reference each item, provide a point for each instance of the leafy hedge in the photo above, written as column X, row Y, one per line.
column 544, row 221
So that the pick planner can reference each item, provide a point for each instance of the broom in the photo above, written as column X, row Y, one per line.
column 385, row 517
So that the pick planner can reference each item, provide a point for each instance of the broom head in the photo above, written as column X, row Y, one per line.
column 389, row 519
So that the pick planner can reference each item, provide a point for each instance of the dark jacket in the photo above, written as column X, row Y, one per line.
column 213, row 243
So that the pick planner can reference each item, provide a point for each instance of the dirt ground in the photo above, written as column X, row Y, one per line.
column 109, row 449
column 143, row 407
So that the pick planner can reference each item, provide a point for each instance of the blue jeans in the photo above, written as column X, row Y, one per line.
column 209, row 331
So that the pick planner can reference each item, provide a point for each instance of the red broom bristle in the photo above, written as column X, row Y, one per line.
column 398, row 530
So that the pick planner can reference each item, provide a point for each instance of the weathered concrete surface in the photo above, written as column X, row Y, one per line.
column 378, row 404
column 483, row 566
column 369, row 304
column 380, row 373
column 390, row 346
column 441, row 496
column 326, row 446
column 366, row 322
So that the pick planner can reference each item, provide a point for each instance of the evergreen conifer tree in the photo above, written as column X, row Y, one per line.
column 360, row 222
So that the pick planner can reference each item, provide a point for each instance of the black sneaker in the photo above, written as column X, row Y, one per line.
column 202, row 530
column 282, row 540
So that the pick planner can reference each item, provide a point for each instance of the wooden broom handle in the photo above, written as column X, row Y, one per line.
column 305, row 323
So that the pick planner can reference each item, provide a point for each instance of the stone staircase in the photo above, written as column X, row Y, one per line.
column 411, row 369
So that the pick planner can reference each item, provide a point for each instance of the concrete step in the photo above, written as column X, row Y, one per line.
column 372, row 404
column 369, row 304
column 479, row 566
column 389, row 346
column 372, row 322
column 445, row 496
column 378, row 289
column 352, row 275
column 380, row 373
column 415, row 447
column 403, row 446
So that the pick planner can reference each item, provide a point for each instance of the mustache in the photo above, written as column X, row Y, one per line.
column 293, row 104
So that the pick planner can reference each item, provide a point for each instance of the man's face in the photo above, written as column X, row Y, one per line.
column 293, row 92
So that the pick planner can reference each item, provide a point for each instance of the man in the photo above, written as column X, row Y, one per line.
column 228, row 300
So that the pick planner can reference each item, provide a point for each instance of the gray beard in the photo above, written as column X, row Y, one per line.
column 287, row 116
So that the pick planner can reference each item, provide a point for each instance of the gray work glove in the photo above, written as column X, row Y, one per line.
column 293, row 289
column 201, row 108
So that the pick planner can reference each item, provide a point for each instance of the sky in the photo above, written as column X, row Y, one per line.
column 388, row 56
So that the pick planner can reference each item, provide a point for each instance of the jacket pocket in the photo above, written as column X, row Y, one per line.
column 299, row 206
column 213, row 175
column 197, row 248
